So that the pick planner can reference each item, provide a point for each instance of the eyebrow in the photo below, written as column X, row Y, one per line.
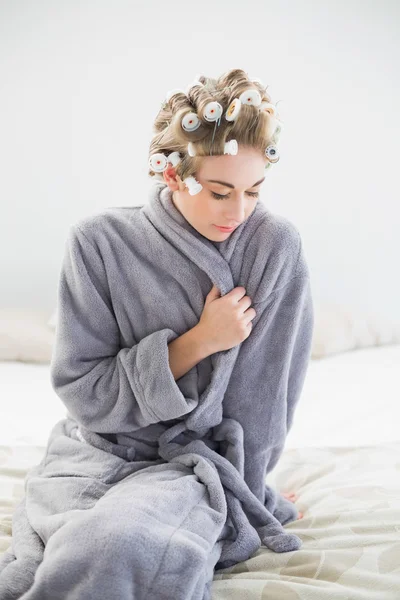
column 230, row 185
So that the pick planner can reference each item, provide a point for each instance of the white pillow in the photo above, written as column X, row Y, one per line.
column 25, row 335
column 53, row 319
column 336, row 329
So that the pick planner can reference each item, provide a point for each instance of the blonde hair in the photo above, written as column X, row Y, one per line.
column 253, row 127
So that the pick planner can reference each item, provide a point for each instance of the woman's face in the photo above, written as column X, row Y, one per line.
column 227, row 204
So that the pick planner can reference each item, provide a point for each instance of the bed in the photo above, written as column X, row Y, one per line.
column 342, row 459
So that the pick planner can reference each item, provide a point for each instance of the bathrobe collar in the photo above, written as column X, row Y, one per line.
column 212, row 259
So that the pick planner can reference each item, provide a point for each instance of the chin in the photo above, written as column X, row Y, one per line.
column 224, row 233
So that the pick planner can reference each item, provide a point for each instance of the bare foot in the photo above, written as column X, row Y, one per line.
column 292, row 497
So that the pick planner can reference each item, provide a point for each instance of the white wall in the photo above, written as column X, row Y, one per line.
column 81, row 83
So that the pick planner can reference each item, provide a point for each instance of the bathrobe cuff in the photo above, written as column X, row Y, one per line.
column 155, row 383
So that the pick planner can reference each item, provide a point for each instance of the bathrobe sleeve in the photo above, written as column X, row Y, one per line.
column 290, row 338
column 290, row 314
column 106, row 388
column 269, row 373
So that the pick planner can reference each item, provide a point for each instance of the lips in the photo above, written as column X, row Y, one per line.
column 225, row 228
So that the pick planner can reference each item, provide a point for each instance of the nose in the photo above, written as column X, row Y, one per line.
column 237, row 213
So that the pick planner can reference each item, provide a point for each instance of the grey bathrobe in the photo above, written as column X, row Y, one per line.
column 135, row 278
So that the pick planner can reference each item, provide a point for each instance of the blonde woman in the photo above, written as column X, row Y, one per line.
column 182, row 341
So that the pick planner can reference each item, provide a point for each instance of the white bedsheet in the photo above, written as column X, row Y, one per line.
column 349, row 494
column 349, row 399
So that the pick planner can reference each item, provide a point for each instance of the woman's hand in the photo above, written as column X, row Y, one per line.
column 226, row 322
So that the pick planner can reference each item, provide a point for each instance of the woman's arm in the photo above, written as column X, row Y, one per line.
column 187, row 350
column 268, row 378
column 107, row 388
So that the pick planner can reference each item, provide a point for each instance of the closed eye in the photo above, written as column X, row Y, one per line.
column 221, row 197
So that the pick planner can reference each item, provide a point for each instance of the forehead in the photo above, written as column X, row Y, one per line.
column 239, row 170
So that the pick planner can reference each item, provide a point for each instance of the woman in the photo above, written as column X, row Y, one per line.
column 181, row 350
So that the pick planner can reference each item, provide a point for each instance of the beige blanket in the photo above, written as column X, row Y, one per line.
column 350, row 498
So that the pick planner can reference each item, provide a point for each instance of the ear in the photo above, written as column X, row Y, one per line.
column 172, row 179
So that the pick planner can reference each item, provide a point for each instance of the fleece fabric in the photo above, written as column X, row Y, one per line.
column 165, row 479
